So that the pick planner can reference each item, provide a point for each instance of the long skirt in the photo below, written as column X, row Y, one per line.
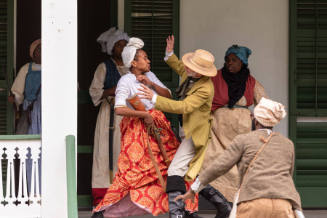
column 226, row 124
column 136, row 189
column 101, row 176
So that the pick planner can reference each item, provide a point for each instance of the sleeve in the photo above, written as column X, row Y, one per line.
column 293, row 160
column 259, row 92
column 168, row 54
column 188, row 105
column 223, row 162
column 155, row 79
column 177, row 65
column 122, row 93
column 96, row 88
column 18, row 86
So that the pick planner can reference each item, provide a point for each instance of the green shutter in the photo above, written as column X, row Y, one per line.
column 308, row 98
column 153, row 21
column 6, row 65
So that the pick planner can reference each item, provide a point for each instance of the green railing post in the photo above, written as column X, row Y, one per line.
column 71, row 177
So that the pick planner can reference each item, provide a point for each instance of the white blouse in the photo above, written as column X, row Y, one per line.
column 128, row 86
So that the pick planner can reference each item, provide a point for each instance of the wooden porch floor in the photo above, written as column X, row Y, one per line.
column 307, row 213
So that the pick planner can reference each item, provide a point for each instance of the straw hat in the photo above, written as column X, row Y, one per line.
column 33, row 47
column 200, row 61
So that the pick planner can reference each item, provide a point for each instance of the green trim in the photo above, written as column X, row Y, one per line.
column 71, row 177
column 113, row 13
column 10, row 63
column 84, row 149
column 291, row 79
column 84, row 97
column 313, row 197
column 84, row 201
column 20, row 137
column 176, row 21
column 127, row 17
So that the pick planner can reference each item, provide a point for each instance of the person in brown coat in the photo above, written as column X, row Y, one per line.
column 267, row 187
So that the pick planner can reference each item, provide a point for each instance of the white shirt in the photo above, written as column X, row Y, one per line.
column 129, row 86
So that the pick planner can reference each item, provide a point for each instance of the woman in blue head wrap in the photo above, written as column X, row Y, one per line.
column 235, row 91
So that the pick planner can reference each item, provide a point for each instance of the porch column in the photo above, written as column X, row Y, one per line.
column 59, row 100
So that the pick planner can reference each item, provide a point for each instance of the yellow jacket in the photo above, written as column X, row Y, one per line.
column 196, row 109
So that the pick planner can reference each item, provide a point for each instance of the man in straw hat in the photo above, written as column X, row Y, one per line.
column 195, row 94
column 265, row 161
column 102, row 91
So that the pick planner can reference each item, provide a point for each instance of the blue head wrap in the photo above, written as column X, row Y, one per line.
column 241, row 52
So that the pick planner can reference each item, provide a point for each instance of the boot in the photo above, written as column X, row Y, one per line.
column 191, row 215
column 176, row 208
column 218, row 200
column 97, row 215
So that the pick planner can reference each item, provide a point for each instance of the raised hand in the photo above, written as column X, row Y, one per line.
column 170, row 44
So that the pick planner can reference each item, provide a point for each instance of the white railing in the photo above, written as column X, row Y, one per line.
column 20, row 193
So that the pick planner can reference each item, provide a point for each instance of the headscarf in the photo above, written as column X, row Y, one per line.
column 130, row 49
column 108, row 39
column 241, row 52
column 268, row 112
column 237, row 81
column 33, row 46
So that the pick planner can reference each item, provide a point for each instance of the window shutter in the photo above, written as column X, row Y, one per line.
column 308, row 98
column 153, row 21
column 4, row 122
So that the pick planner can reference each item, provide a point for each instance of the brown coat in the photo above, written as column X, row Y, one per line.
column 271, row 174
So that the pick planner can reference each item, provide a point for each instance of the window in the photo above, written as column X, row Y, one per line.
column 153, row 21
column 308, row 98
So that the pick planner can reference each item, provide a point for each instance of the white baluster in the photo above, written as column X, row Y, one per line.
column 22, row 209
column 10, row 193
column 22, row 194
column 24, row 174
column 1, row 185
column 32, row 188
column 37, row 157
column 20, row 185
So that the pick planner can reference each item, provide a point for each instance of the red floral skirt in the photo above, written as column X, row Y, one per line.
column 136, row 188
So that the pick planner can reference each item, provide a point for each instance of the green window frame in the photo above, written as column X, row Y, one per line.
column 308, row 99
column 153, row 21
column 6, row 65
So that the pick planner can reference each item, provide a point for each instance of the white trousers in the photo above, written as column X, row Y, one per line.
column 182, row 158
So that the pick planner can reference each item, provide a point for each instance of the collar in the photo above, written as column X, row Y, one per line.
column 269, row 131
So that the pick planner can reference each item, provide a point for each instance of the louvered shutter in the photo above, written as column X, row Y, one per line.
column 6, row 38
column 308, row 98
column 153, row 21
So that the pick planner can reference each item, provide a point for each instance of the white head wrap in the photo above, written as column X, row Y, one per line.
column 268, row 112
column 108, row 39
column 129, row 51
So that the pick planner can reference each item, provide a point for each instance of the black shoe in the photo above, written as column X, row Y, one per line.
column 176, row 208
column 222, row 206
column 97, row 215
column 191, row 215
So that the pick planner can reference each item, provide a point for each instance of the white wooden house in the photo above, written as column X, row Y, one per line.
column 288, row 39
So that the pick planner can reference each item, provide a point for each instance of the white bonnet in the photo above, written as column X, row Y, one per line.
column 130, row 49
column 108, row 39
column 269, row 112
